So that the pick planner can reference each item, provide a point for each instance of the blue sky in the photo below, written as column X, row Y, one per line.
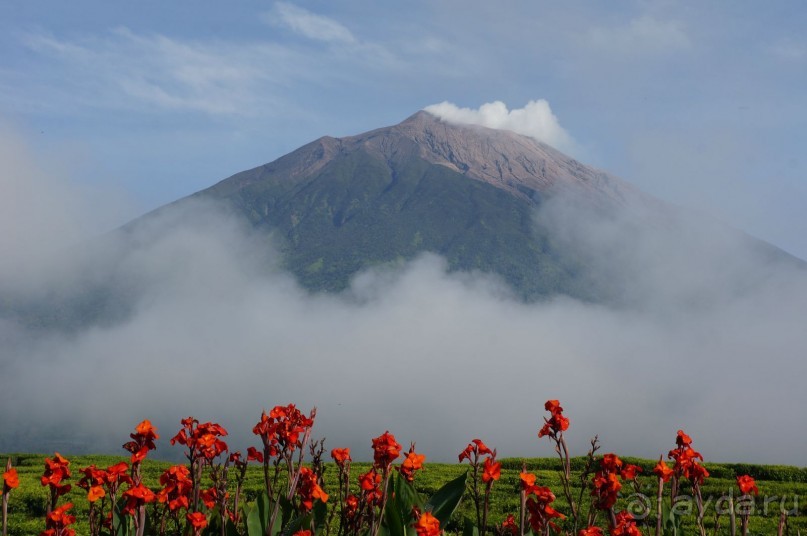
column 701, row 104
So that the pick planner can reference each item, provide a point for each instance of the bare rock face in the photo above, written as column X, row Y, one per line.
column 518, row 164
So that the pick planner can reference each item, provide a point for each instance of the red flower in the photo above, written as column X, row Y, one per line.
column 509, row 526
column 56, row 470
column 370, row 483
column 385, row 450
column 475, row 447
column 254, row 454
column 137, row 496
column 747, row 485
column 540, row 510
column 682, row 440
column 281, row 429
column 412, row 463
column 427, row 525
column 556, row 423
column 491, row 470
column 629, row 472
column 528, row 483
column 302, row 533
column 340, row 456
column 142, row 441
column 197, row 520
column 95, row 493
column 58, row 521
column 686, row 460
column 590, row 531
column 10, row 480
column 606, row 485
column 309, row 490
column 202, row 439
column 662, row 471
column 625, row 525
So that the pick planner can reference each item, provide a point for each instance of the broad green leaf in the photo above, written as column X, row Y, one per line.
column 258, row 516
column 298, row 523
column 446, row 499
column 469, row 528
column 320, row 514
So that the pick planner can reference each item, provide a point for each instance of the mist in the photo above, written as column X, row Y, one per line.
column 708, row 338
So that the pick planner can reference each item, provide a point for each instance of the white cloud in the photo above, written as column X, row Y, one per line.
column 535, row 120
column 310, row 24
column 126, row 69
column 641, row 36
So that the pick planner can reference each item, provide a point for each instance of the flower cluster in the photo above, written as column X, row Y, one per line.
column 176, row 488
column 412, row 463
column 385, row 450
column 202, row 439
column 686, row 460
column 57, row 470
column 281, row 429
column 556, row 423
column 142, row 441
column 625, row 525
column 539, row 504
column 58, row 522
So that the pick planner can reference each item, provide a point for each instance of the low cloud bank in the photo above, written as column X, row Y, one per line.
column 216, row 330
column 535, row 120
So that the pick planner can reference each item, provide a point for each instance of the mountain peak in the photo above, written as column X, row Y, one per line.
column 519, row 164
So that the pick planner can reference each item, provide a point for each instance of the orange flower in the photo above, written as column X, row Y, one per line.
column 509, row 526
column 662, row 471
column 556, row 423
column 629, row 472
column 142, row 441
column 475, row 447
column 527, row 483
column 553, row 406
column 747, row 485
column 56, row 470
column 682, row 440
column 625, row 525
column 309, row 490
column 590, row 531
column 254, row 454
column 412, row 463
column 59, row 520
column 606, row 485
column 10, row 480
column 428, row 525
column 491, row 470
column 385, row 450
column 95, row 493
column 197, row 520
column 540, row 510
column 340, row 456
column 137, row 496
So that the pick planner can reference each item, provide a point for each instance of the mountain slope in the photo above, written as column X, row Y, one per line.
column 337, row 206
column 486, row 200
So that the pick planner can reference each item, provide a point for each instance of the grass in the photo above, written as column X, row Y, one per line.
column 27, row 503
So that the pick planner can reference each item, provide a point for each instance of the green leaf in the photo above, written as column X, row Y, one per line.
column 298, row 523
column 258, row 516
column 469, row 528
column 320, row 514
column 407, row 497
column 446, row 499
column 122, row 525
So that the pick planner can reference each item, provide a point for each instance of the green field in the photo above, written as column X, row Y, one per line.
column 27, row 503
